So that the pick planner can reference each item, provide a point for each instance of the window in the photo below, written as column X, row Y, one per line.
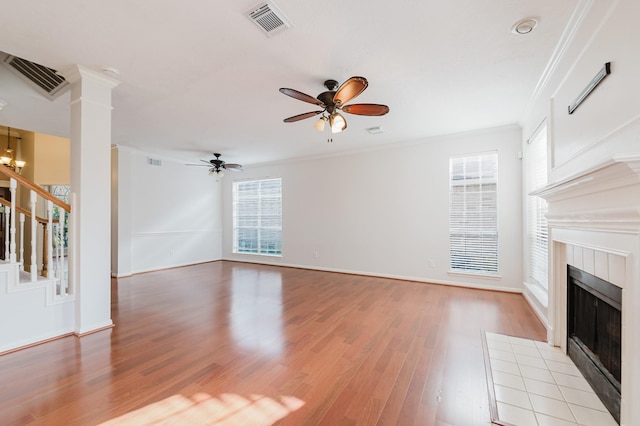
column 257, row 217
column 473, row 213
column 536, row 178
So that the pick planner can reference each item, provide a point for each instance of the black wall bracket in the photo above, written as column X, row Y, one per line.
column 605, row 71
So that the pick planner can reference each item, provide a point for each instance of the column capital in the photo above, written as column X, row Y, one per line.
column 78, row 73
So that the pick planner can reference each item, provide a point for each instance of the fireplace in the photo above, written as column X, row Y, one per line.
column 594, row 226
column 594, row 338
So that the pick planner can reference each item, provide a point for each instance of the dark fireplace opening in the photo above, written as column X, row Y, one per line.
column 594, row 325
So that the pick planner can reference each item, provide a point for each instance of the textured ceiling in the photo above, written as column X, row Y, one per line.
column 199, row 76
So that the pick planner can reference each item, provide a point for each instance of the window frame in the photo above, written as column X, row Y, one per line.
column 261, row 198
column 537, row 229
column 471, row 219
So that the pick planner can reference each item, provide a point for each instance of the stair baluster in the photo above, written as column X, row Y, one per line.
column 13, row 185
column 22, row 241
column 7, row 212
column 50, row 239
column 33, row 198
column 60, row 252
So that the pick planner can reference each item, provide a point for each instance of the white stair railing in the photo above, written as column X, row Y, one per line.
column 49, row 235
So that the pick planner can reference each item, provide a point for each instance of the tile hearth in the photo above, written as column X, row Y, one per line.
column 535, row 384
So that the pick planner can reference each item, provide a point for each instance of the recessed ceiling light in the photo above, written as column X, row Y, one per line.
column 375, row 130
column 524, row 26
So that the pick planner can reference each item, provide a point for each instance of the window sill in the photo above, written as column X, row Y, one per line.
column 244, row 253
column 538, row 293
column 494, row 277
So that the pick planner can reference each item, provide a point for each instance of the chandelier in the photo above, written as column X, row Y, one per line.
column 8, row 158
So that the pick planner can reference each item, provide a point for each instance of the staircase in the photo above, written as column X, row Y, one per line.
column 36, row 294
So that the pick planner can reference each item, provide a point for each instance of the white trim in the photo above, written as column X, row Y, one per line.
column 177, row 265
column 496, row 277
column 569, row 33
column 166, row 233
column 380, row 275
column 531, row 300
column 595, row 142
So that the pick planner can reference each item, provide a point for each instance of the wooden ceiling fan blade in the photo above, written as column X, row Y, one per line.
column 300, row 96
column 199, row 165
column 207, row 162
column 301, row 116
column 233, row 167
column 349, row 90
column 366, row 109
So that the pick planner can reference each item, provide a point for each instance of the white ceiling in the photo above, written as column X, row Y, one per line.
column 199, row 76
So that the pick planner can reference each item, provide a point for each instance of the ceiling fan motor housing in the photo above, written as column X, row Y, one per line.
column 331, row 84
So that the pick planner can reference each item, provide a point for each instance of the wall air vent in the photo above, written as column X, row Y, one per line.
column 269, row 18
column 45, row 80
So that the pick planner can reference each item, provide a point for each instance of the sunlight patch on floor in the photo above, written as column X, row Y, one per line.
column 204, row 409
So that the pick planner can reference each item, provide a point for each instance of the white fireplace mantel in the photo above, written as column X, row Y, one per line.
column 605, row 196
column 620, row 170
column 594, row 224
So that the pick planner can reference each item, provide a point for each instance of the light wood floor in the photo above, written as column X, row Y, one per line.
column 232, row 343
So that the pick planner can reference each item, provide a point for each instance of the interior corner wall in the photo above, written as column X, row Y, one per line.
column 172, row 211
column 120, row 212
column 385, row 212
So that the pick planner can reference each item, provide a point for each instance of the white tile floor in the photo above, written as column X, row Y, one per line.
column 537, row 385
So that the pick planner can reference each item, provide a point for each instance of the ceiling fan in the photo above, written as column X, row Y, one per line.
column 218, row 166
column 333, row 101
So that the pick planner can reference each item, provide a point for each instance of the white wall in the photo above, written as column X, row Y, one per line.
column 385, row 212
column 169, row 215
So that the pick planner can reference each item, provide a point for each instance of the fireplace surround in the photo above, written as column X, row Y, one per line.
column 594, row 225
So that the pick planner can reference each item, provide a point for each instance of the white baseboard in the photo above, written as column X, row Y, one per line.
column 536, row 305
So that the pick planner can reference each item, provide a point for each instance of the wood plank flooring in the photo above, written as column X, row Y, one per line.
column 233, row 343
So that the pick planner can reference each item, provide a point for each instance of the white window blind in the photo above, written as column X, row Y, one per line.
column 536, row 176
column 473, row 213
column 257, row 217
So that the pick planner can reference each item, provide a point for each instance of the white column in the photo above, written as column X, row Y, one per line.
column 89, row 259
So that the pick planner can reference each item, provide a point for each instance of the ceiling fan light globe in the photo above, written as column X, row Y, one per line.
column 337, row 122
column 319, row 125
column 220, row 173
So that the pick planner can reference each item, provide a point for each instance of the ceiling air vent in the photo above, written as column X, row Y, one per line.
column 43, row 79
column 154, row 162
column 269, row 18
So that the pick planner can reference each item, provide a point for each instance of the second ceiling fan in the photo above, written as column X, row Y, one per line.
column 332, row 101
